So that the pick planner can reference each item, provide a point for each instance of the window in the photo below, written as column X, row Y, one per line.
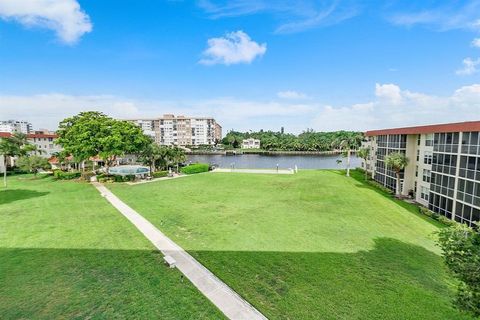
column 418, row 140
column 418, row 155
column 427, row 157
column 426, row 175
column 446, row 142
column 429, row 140
column 424, row 193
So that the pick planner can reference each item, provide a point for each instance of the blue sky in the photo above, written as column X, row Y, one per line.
column 325, row 65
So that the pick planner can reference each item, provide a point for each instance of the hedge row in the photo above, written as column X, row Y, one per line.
column 160, row 174
column 64, row 175
column 436, row 216
column 195, row 168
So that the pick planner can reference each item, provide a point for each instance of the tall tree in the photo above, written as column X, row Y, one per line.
column 32, row 164
column 92, row 133
column 154, row 156
column 15, row 145
column 177, row 156
column 364, row 153
column 346, row 146
column 461, row 251
column 397, row 161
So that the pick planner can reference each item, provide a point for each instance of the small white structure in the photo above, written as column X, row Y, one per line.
column 251, row 144
column 170, row 261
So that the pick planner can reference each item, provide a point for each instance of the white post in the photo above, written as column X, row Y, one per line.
column 5, row 171
column 348, row 163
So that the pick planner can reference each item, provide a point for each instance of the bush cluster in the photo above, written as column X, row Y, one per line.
column 160, row 174
column 195, row 168
column 111, row 178
column 377, row 185
column 66, row 175
column 436, row 216
column 87, row 175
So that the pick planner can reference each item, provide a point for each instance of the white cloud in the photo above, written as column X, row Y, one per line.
column 388, row 92
column 291, row 94
column 469, row 66
column 235, row 47
column 406, row 109
column 292, row 15
column 65, row 17
column 476, row 42
column 443, row 16
column 390, row 107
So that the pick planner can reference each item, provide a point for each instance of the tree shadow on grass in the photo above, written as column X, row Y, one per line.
column 413, row 208
column 395, row 280
column 11, row 195
column 38, row 283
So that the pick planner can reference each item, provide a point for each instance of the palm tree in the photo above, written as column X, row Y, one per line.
column 397, row 161
column 177, row 155
column 364, row 153
column 12, row 146
column 346, row 146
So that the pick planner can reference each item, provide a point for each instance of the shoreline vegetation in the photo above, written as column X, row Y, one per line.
column 265, row 152
column 308, row 140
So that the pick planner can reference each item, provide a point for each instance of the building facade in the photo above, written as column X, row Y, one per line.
column 181, row 131
column 251, row 144
column 443, row 172
column 45, row 143
column 12, row 126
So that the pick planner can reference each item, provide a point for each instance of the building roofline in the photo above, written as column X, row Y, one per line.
column 433, row 128
column 30, row 135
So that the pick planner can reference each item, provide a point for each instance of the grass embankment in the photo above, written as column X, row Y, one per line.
column 65, row 253
column 315, row 245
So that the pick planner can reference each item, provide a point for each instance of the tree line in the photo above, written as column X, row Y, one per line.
column 308, row 140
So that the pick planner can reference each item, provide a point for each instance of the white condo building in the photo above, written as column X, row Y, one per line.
column 443, row 172
column 181, row 130
column 12, row 126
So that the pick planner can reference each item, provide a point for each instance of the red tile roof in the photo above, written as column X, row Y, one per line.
column 30, row 135
column 41, row 135
column 446, row 127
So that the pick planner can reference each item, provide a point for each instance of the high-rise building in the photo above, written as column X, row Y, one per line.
column 443, row 172
column 181, row 130
column 12, row 126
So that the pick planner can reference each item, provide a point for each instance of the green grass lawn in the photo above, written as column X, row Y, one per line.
column 315, row 245
column 65, row 253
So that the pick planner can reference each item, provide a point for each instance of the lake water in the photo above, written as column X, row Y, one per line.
column 255, row 161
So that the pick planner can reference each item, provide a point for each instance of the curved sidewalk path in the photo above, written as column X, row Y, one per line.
column 221, row 295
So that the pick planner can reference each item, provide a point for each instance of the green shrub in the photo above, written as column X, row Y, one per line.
column 426, row 212
column 160, row 174
column 130, row 177
column 446, row 221
column 195, row 168
column 63, row 175
column 118, row 178
column 87, row 175
column 377, row 185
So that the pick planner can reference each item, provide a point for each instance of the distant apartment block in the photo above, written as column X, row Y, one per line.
column 444, row 169
column 181, row 130
column 44, row 141
column 11, row 126
column 251, row 144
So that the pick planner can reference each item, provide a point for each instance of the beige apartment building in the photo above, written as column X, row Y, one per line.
column 443, row 173
column 180, row 130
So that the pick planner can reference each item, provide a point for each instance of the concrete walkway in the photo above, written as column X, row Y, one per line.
column 221, row 295
column 155, row 180
column 260, row 171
